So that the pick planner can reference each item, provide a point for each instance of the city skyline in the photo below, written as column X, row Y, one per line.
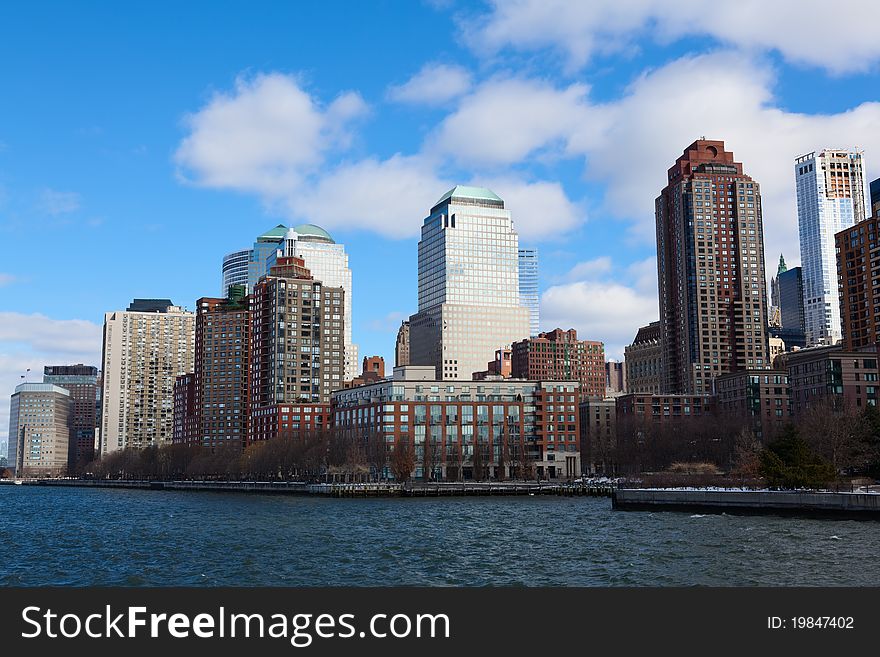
column 130, row 183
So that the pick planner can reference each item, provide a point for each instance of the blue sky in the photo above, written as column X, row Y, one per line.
column 138, row 144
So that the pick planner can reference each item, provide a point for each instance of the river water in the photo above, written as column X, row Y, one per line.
column 80, row 537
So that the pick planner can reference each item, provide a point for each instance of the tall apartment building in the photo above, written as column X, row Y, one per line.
column 328, row 263
column 401, row 346
column 236, row 266
column 467, row 429
column 528, row 288
column 643, row 360
column 222, row 352
column 39, row 430
column 710, row 261
column 830, row 197
column 146, row 347
column 81, row 381
column 469, row 302
column 297, row 353
column 858, row 281
column 559, row 356
column 187, row 427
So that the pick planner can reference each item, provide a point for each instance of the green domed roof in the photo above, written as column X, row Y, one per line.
column 316, row 233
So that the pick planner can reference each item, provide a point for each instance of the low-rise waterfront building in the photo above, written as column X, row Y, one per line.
column 467, row 429
column 598, row 428
column 759, row 399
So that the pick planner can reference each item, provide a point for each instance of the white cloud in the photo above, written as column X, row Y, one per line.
column 32, row 341
column 541, row 210
column 507, row 120
column 266, row 136
column 389, row 197
column 434, row 84
column 839, row 37
column 604, row 304
column 589, row 268
column 54, row 202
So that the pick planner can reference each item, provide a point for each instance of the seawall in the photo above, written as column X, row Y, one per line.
column 831, row 504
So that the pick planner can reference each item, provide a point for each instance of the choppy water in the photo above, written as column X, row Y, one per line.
column 56, row 536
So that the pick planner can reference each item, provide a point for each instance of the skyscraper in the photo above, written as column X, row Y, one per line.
column 236, row 266
column 528, row 288
column 830, row 197
column 710, row 262
column 328, row 263
column 775, row 313
column 220, row 381
column 146, row 347
column 39, row 430
column 469, row 303
column 791, row 299
column 266, row 245
column 296, row 355
column 81, row 381
column 401, row 347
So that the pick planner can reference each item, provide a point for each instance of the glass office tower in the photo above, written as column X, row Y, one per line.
column 528, row 288
column 469, row 298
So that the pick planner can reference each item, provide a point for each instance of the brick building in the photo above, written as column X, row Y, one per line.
column 710, row 262
column 643, row 361
column 598, row 427
column 467, row 429
column 559, row 356
column 846, row 379
column 296, row 355
column 858, row 282
column 756, row 398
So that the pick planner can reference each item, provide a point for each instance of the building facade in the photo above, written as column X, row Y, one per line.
column 615, row 378
column 146, row 348
column 469, row 300
column 222, row 353
column 401, row 346
column 559, row 356
column 266, row 245
column 759, row 399
column 832, row 375
column 328, row 263
column 710, row 261
column 187, row 427
column 236, row 266
column 830, row 197
column 644, row 361
column 528, row 288
column 598, row 426
column 39, row 430
column 81, row 381
column 858, row 282
column 467, row 429
column 297, row 353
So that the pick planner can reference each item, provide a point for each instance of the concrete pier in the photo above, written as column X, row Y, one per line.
column 813, row 503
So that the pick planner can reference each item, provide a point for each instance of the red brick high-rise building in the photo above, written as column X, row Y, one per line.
column 296, row 356
column 858, row 283
column 710, row 262
column 559, row 356
column 221, row 369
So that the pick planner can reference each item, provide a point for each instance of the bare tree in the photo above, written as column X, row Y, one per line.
column 403, row 460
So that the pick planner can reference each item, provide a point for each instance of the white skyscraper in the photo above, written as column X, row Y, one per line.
column 830, row 197
column 328, row 263
column 145, row 349
column 469, row 298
